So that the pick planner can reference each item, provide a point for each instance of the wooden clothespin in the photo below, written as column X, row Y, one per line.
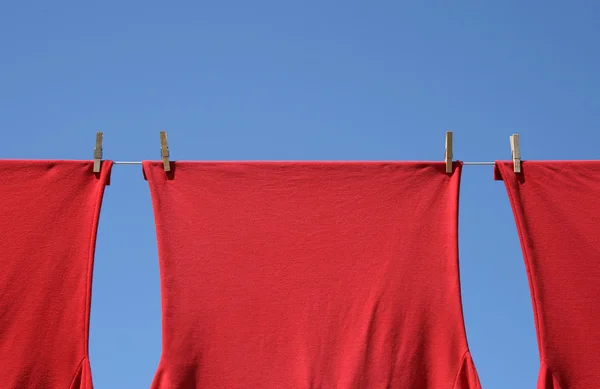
column 98, row 152
column 516, row 152
column 164, row 151
column 448, row 151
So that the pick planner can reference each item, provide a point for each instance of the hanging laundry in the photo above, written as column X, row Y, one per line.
column 48, row 220
column 556, row 206
column 296, row 275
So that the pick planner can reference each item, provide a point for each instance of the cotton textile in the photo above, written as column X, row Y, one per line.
column 303, row 275
column 556, row 206
column 48, row 220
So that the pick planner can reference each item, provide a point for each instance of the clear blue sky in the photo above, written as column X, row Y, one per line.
column 311, row 80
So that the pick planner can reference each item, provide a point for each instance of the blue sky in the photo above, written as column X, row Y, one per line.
column 247, row 80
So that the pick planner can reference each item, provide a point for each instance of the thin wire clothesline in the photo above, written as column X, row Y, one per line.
column 139, row 163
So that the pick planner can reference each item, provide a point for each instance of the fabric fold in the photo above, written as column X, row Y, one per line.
column 304, row 275
column 83, row 377
column 467, row 377
column 547, row 380
column 48, row 222
column 556, row 205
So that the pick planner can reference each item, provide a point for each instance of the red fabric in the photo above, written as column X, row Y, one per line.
column 48, row 218
column 309, row 275
column 557, row 210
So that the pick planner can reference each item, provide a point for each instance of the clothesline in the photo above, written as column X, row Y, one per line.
column 448, row 158
column 140, row 162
